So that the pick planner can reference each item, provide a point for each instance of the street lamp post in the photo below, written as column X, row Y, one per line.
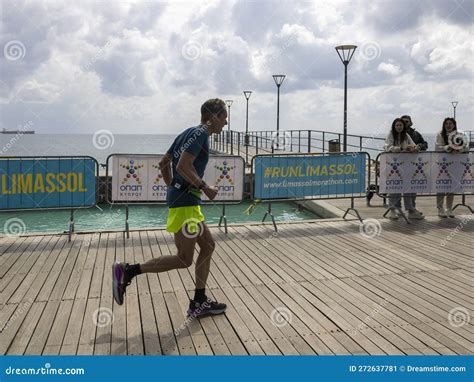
column 345, row 53
column 229, row 103
column 247, row 94
column 278, row 78
column 455, row 104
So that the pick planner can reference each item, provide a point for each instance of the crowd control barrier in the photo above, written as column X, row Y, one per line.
column 425, row 173
column 137, row 179
column 310, row 176
column 48, row 182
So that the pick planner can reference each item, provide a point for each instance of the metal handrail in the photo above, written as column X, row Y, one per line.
column 300, row 141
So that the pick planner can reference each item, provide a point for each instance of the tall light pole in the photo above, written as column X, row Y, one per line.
column 345, row 53
column 278, row 78
column 229, row 103
column 247, row 94
column 454, row 103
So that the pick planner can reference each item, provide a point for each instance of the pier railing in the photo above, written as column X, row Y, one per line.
column 295, row 141
column 299, row 141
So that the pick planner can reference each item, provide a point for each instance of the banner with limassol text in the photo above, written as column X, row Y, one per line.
column 309, row 176
column 49, row 182
column 427, row 172
column 137, row 178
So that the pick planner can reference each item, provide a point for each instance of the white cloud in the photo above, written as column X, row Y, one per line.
column 389, row 68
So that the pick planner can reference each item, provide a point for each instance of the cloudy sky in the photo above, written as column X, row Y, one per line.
column 147, row 66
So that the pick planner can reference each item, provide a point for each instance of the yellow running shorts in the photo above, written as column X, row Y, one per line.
column 179, row 216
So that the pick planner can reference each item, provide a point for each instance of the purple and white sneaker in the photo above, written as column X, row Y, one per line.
column 119, row 281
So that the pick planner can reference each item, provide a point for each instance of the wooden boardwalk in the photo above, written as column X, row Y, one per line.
column 318, row 287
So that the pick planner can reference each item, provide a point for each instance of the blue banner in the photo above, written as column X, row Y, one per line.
column 236, row 368
column 297, row 177
column 47, row 183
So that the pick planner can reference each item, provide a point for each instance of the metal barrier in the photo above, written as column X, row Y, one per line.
column 48, row 182
column 137, row 180
column 428, row 173
column 310, row 177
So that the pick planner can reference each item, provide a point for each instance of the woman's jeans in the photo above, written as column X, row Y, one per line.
column 440, row 200
column 395, row 200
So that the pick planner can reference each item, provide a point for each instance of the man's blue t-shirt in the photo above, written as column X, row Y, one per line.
column 194, row 140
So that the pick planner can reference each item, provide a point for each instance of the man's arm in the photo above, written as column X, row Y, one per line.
column 186, row 169
column 165, row 167
column 423, row 144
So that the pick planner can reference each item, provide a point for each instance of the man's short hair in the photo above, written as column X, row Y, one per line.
column 212, row 107
column 406, row 117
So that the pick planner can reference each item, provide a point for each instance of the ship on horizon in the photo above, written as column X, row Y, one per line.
column 5, row 131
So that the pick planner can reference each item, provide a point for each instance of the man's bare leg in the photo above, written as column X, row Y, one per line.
column 201, row 305
column 183, row 259
column 203, row 263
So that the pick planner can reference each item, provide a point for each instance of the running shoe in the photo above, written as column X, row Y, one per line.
column 120, row 281
column 205, row 308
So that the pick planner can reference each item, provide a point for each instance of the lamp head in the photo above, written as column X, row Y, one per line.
column 278, row 78
column 346, row 52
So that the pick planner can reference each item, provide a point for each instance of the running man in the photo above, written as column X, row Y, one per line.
column 183, row 168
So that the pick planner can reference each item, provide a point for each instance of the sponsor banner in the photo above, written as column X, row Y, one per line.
column 430, row 172
column 47, row 183
column 137, row 178
column 294, row 177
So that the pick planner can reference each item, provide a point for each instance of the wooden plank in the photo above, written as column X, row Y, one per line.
column 44, row 273
column 150, row 332
column 58, row 330
column 25, row 332
column 93, row 317
column 18, row 257
column 32, row 271
column 11, row 279
column 102, row 345
column 72, row 336
column 41, row 333
column 194, row 328
column 134, row 329
column 118, row 345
